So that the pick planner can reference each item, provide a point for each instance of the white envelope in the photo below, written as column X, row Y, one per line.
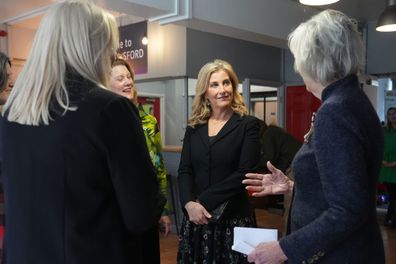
column 247, row 238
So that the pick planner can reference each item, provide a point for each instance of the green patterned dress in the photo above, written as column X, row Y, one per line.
column 154, row 145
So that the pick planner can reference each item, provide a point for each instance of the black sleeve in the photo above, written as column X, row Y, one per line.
column 130, row 167
column 185, row 177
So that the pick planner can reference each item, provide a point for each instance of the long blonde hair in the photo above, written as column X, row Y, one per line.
column 200, row 110
column 73, row 34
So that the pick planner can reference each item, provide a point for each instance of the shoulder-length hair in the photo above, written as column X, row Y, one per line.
column 118, row 60
column 327, row 47
column 201, row 111
column 4, row 60
column 73, row 34
column 388, row 122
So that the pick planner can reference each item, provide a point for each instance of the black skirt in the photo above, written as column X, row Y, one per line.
column 211, row 243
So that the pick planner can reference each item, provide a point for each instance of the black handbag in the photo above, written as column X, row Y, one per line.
column 218, row 212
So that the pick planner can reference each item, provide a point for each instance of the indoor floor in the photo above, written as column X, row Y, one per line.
column 274, row 220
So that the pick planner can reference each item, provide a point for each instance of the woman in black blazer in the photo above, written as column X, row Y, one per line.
column 78, row 180
column 221, row 144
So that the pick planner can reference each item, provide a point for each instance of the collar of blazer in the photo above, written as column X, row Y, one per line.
column 231, row 124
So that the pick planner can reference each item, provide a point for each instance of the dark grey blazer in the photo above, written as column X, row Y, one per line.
column 212, row 172
column 78, row 189
column 333, row 219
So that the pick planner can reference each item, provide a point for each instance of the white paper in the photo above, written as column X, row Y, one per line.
column 247, row 238
column 242, row 247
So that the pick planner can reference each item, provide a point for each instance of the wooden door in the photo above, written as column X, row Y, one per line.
column 300, row 104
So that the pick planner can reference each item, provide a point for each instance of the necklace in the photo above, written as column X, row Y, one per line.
column 214, row 126
column 311, row 129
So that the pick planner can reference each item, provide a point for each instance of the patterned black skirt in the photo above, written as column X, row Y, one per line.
column 211, row 243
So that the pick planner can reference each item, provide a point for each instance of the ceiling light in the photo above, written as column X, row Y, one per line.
column 387, row 20
column 318, row 2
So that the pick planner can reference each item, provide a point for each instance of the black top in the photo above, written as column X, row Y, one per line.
column 277, row 146
column 212, row 170
column 78, row 189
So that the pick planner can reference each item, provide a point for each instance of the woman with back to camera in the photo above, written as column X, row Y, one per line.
column 74, row 190
column 220, row 145
column 122, row 82
column 333, row 217
column 388, row 169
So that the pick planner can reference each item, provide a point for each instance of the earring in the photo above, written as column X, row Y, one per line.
column 207, row 103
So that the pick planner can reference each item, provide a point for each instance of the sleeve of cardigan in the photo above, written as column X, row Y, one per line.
column 130, row 167
column 339, row 150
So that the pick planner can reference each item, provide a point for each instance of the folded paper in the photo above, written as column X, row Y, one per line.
column 247, row 238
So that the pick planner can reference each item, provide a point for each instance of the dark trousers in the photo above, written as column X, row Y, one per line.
column 391, row 214
column 148, row 248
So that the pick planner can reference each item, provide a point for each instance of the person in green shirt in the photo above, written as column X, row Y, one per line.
column 122, row 82
column 388, row 170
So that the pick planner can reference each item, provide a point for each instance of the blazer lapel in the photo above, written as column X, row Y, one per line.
column 203, row 134
column 228, row 127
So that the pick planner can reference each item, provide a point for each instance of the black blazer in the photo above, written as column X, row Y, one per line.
column 212, row 172
column 78, row 189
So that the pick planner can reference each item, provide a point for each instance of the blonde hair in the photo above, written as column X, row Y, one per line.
column 75, row 35
column 327, row 47
column 200, row 110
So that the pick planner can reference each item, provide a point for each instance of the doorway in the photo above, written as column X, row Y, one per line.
column 261, row 98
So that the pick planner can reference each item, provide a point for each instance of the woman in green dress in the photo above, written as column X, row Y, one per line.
column 122, row 82
column 388, row 170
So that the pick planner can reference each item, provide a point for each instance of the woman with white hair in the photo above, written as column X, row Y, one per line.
column 333, row 217
column 74, row 190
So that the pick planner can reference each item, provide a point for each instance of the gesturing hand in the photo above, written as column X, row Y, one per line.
column 265, row 184
column 197, row 213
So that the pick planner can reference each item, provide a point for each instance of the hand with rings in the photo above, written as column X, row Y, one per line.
column 275, row 182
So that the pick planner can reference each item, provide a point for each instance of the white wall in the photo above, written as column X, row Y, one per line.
column 166, row 51
column 20, row 43
column 3, row 40
column 21, row 40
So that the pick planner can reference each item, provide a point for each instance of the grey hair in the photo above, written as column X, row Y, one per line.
column 4, row 60
column 73, row 34
column 327, row 47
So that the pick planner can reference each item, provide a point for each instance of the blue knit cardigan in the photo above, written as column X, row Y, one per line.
column 333, row 217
